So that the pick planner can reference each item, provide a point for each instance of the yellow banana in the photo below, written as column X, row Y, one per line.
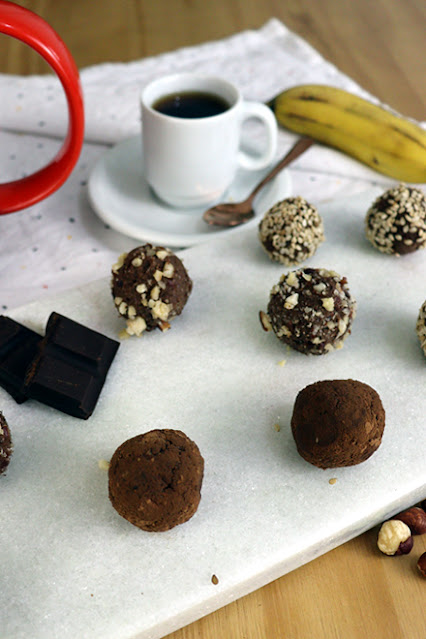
column 373, row 135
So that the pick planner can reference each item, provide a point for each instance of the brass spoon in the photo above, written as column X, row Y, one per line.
column 235, row 213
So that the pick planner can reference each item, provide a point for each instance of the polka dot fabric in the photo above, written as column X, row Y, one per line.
column 60, row 243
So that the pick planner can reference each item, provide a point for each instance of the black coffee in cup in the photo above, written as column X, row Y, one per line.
column 191, row 104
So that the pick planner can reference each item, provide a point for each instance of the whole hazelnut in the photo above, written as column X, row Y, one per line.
column 395, row 538
column 415, row 518
column 421, row 564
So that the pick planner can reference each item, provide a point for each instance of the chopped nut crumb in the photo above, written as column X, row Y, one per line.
column 131, row 312
column 119, row 263
column 136, row 326
column 162, row 254
column 328, row 303
column 103, row 464
column 264, row 320
column 332, row 480
column 158, row 275
column 291, row 301
column 169, row 270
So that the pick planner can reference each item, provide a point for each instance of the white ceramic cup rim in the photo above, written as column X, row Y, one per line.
column 183, row 82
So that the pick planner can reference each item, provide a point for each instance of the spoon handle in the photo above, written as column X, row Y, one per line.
column 300, row 147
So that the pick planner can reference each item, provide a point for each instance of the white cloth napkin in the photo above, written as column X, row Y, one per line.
column 60, row 243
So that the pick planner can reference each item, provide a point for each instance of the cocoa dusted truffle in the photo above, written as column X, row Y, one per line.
column 311, row 310
column 155, row 479
column 291, row 231
column 6, row 447
column 421, row 327
column 396, row 221
column 337, row 423
column 150, row 286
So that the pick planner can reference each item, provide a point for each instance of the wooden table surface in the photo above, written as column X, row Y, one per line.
column 352, row 592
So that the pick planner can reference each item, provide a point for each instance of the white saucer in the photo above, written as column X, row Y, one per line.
column 121, row 197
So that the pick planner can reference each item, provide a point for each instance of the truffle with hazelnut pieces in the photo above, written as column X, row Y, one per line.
column 395, row 538
column 396, row 221
column 6, row 447
column 421, row 327
column 291, row 231
column 311, row 310
column 150, row 286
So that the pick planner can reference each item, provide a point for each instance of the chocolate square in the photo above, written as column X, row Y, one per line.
column 18, row 346
column 71, row 366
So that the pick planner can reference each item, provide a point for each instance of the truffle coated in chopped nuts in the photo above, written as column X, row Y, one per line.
column 337, row 423
column 311, row 310
column 155, row 479
column 421, row 327
column 291, row 231
column 396, row 221
column 6, row 447
column 150, row 286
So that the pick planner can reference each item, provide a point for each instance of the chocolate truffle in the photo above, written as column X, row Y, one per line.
column 155, row 479
column 291, row 231
column 150, row 286
column 337, row 423
column 421, row 327
column 5, row 444
column 396, row 221
column 311, row 310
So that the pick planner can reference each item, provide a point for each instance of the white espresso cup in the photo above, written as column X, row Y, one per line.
column 191, row 156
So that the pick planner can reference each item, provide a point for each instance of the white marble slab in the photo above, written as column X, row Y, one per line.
column 71, row 567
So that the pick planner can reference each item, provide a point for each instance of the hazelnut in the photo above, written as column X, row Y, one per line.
column 421, row 564
column 395, row 538
column 415, row 518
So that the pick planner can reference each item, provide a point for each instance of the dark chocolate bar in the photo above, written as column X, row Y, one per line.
column 70, row 368
column 18, row 346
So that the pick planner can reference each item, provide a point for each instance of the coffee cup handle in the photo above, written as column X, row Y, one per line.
column 31, row 29
column 264, row 114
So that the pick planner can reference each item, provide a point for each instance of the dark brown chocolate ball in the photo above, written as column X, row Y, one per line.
column 337, row 423
column 311, row 310
column 155, row 479
column 6, row 447
column 291, row 231
column 396, row 221
column 150, row 286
